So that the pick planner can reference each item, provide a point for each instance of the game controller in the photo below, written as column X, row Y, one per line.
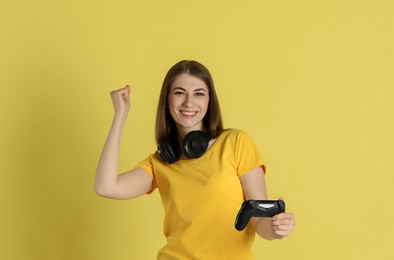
column 257, row 208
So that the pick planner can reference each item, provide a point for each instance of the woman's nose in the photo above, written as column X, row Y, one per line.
column 187, row 102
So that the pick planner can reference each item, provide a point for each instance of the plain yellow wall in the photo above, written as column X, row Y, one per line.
column 311, row 81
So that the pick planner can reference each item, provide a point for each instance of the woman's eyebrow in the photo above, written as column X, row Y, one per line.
column 200, row 89
column 179, row 88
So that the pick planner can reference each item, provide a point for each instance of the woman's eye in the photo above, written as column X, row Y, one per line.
column 200, row 94
column 179, row 93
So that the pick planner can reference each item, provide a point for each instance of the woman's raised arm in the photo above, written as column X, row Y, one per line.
column 108, row 183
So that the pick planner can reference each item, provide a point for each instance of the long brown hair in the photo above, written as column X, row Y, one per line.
column 165, row 124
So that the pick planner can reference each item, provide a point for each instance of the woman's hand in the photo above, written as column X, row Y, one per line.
column 121, row 100
column 283, row 224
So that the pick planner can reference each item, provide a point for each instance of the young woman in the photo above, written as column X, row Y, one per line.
column 202, row 171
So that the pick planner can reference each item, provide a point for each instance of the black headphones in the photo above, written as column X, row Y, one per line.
column 193, row 146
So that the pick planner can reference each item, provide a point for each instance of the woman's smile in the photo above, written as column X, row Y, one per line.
column 188, row 114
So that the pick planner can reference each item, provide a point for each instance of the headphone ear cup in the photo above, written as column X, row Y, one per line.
column 167, row 152
column 195, row 144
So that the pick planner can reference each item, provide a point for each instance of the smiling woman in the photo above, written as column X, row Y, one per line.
column 200, row 76
column 202, row 171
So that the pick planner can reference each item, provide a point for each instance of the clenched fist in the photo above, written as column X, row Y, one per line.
column 121, row 100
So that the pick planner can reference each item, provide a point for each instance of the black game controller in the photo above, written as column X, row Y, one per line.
column 257, row 208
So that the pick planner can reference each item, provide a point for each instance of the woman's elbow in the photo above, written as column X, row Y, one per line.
column 102, row 191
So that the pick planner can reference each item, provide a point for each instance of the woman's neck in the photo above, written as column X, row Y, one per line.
column 183, row 132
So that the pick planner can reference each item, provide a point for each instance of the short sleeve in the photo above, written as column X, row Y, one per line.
column 247, row 155
column 147, row 165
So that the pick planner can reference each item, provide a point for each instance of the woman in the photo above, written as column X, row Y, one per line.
column 202, row 171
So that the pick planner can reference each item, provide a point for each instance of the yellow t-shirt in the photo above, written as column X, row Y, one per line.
column 201, row 199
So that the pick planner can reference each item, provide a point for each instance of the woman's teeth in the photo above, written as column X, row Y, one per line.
column 187, row 113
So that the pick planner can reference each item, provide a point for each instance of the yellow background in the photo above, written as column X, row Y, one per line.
column 311, row 81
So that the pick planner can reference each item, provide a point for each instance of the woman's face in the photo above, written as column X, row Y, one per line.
column 188, row 101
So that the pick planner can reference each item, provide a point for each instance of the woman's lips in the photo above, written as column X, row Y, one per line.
column 188, row 113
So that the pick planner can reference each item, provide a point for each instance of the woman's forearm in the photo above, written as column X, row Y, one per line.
column 107, row 168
